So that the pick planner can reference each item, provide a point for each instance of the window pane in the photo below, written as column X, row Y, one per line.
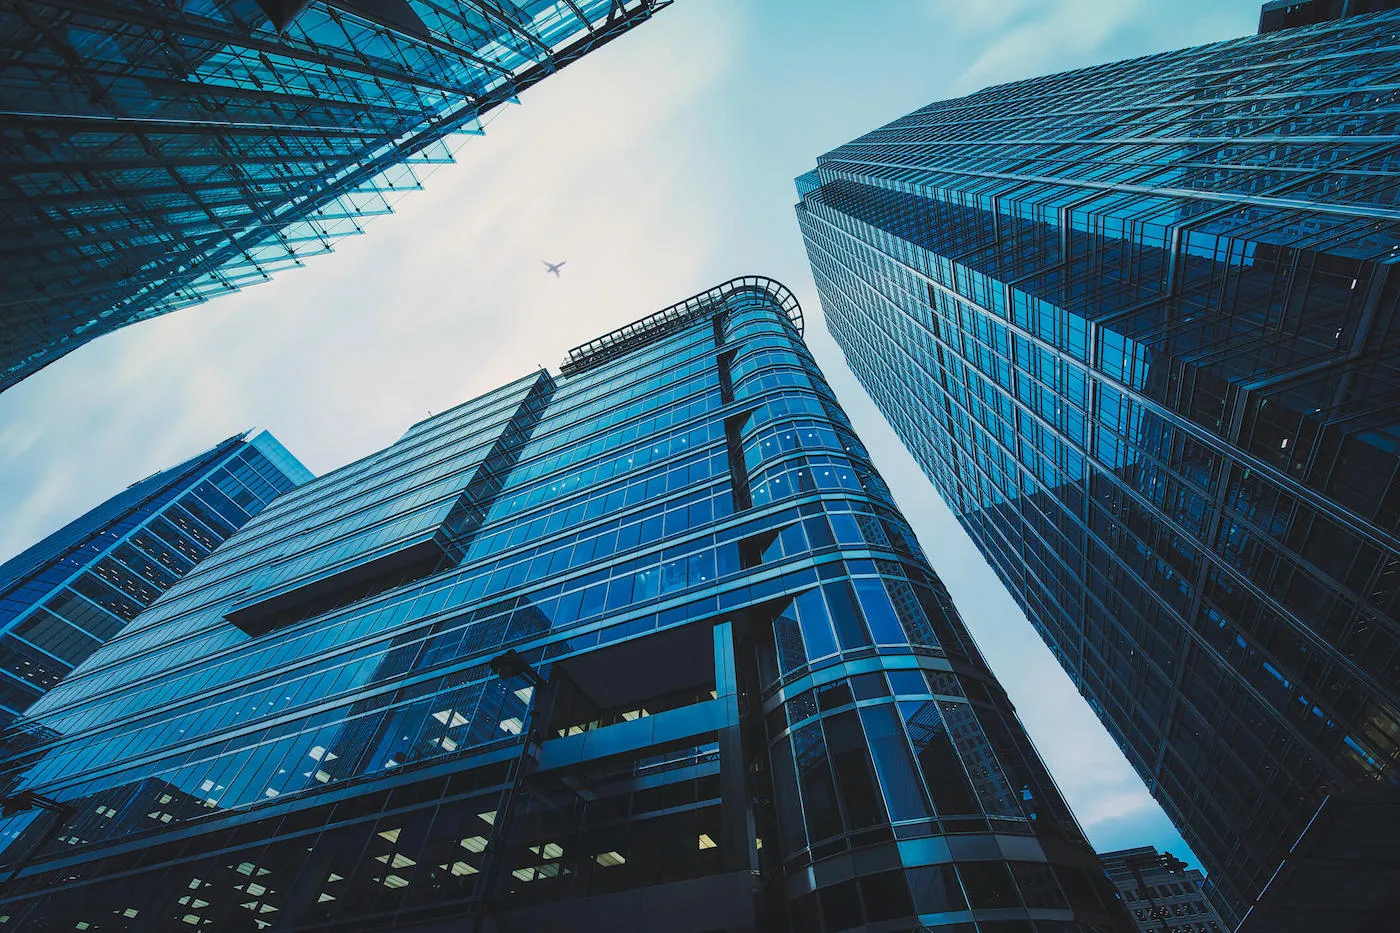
column 886, row 896
column 840, row 906
column 818, row 792
column 845, row 616
column 1037, row 885
column 988, row 885
column 936, row 889
column 816, row 629
column 904, row 794
column 854, row 776
column 946, row 778
column 788, row 802
column 879, row 614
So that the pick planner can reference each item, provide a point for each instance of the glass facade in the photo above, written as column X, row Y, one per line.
column 645, row 639
column 1288, row 14
column 1138, row 325
column 1163, row 895
column 65, row 596
column 158, row 155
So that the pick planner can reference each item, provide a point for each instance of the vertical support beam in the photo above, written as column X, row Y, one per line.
column 736, row 816
column 738, row 472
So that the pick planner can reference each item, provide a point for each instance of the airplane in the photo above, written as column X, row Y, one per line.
column 554, row 266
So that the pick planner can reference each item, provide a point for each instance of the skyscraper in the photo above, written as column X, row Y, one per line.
column 645, row 640
column 1287, row 14
column 158, row 155
column 65, row 596
column 1138, row 325
column 1163, row 895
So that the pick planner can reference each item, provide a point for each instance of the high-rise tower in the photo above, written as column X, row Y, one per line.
column 157, row 155
column 61, row 598
column 1138, row 324
column 1163, row 895
column 645, row 640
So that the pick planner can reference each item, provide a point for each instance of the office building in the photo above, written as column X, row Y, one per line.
column 158, row 155
column 1137, row 322
column 647, row 639
column 1289, row 14
column 1163, row 895
column 62, row 598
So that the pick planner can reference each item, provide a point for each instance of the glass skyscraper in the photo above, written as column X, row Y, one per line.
column 1138, row 325
column 642, row 645
column 1287, row 14
column 65, row 596
column 157, row 155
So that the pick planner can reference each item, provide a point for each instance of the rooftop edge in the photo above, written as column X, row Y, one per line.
column 669, row 319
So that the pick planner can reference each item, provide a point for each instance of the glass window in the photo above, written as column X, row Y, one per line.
column 851, row 763
column 803, row 706
column 904, row 794
column 840, row 906
column 907, row 683
column 787, row 635
column 832, row 695
column 818, row 791
column 988, row 885
column 1037, row 884
column 816, row 628
column 946, row 778
column 868, row 686
column 886, row 896
column 776, row 720
column 936, row 889
column 788, row 801
column 845, row 616
column 879, row 613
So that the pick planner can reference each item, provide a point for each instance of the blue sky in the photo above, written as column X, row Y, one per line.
column 657, row 167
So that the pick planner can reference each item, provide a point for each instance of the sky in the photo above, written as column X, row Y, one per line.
column 657, row 167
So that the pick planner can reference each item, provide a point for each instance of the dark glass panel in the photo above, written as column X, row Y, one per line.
column 854, row 776
column 904, row 792
column 837, row 693
column 850, row 629
column 988, row 885
column 816, row 626
column 868, row 686
column 886, row 896
column 818, row 791
column 1038, row 885
column 946, row 778
column 936, row 889
column 840, row 906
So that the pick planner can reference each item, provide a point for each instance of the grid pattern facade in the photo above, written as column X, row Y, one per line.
column 65, row 596
column 1160, row 900
column 157, row 155
column 1138, row 324
column 740, row 698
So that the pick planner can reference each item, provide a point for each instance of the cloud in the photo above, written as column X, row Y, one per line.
column 1035, row 38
